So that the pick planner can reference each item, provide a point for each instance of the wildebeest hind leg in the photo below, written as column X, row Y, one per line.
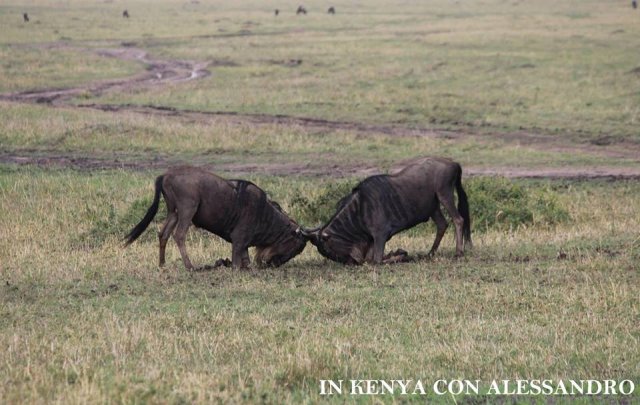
column 441, row 228
column 446, row 198
column 185, row 215
column 165, row 233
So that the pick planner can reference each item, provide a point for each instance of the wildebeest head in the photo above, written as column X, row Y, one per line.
column 288, row 244
column 335, row 246
column 342, row 239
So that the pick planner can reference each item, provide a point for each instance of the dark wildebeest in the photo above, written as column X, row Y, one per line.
column 25, row 17
column 125, row 14
column 634, row 4
column 301, row 10
column 331, row 10
column 383, row 205
column 276, row 12
column 236, row 210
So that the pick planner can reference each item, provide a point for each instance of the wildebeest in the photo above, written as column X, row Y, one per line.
column 276, row 12
column 25, row 17
column 236, row 210
column 301, row 10
column 634, row 4
column 383, row 205
column 125, row 14
column 331, row 10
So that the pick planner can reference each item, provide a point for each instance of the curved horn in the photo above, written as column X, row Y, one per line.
column 311, row 234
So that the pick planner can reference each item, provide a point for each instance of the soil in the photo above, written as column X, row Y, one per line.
column 89, row 163
column 161, row 72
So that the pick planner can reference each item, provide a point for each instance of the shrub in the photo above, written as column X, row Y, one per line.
column 499, row 203
column 107, row 223
column 495, row 203
column 320, row 208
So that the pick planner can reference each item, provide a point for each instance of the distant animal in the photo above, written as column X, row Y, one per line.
column 25, row 17
column 276, row 12
column 236, row 210
column 634, row 4
column 301, row 10
column 125, row 14
column 383, row 205
column 331, row 10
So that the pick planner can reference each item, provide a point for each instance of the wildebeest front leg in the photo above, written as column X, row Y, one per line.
column 378, row 249
column 446, row 198
column 246, row 260
column 239, row 255
column 441, row 228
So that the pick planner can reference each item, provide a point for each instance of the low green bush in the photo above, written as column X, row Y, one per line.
column 500, row 203
column 495, row 203
column 108, row 223
column 318, row 209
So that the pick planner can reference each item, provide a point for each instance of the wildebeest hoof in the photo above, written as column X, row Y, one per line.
column 397, row 256
column 218, row 263
column 222, row 262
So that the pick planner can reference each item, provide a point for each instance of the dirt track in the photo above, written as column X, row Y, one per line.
column 158, row 73
column 91, row 163
column 162, row 72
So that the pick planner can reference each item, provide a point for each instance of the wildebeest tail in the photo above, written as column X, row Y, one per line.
column 148, row 217
column 463, row 209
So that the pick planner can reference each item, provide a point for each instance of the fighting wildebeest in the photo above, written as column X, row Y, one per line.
column 236, row 210
column 383, row 205
column 331, row 10
column 301, row 10
column 125, row 14
column 25, row 17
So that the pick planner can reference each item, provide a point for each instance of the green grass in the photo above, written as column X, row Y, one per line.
column 100, row 323
column 132, row 137
column 25, row 69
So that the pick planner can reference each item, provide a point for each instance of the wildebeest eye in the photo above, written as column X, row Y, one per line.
column 324, row 236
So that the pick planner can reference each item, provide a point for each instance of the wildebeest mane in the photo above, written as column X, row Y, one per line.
column 243, row 196
column 241, row 190
column 373, row 189
column 268, row 214
column 344, row 222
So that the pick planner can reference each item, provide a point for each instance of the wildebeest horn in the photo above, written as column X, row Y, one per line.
column 308, row 233
column 304, row 232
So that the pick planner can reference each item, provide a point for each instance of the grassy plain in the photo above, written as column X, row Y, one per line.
column 84, row 321
column 567, row 68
